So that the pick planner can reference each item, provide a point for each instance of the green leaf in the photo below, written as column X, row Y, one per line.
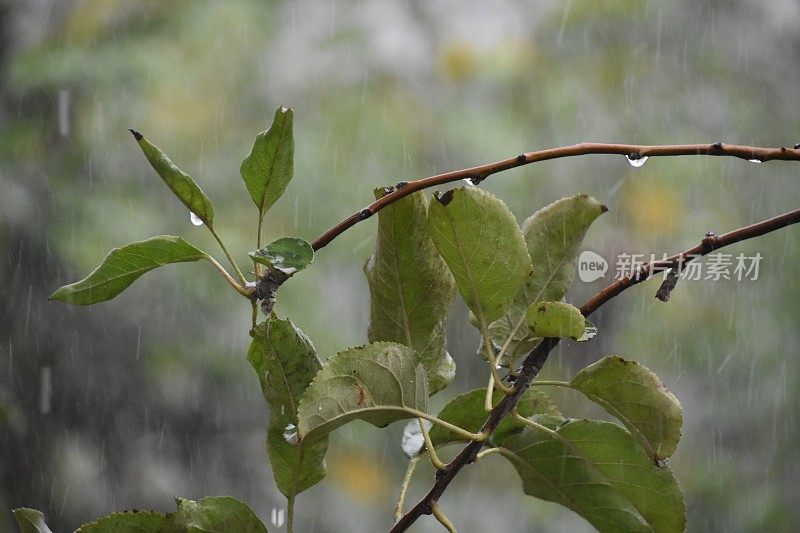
column 634, row 394
column 216, row 514
column 285, row 361
column 479, row 239
column 178, row 181
column 130, row 522
column 123, row 265
column 287, row 256
column 30, row 521
column 270, row 165
column 467, row 411
column 410, row 287
column 379, row 383
column 598, row 470
column 553, row 236
column 555, row 319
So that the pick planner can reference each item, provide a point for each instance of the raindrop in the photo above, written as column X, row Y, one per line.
column 754, row 160
column 469, row 181
column 290, row 434
column 45, row 389
column 63, row 112
column 277, row 517
column 195, row 219
column 636, row 163
column 413, row 440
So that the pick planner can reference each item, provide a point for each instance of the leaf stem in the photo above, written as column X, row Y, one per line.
column 412, row 465
column 290, row 513
column 487, row 345
column 429, row 446
column 478, row 437
column 488, row 451
column 256, row 265
column 440, row 516
column 240, row 289
column 553, row 383
column 236, row 268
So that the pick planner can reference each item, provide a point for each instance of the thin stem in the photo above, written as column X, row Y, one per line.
column 477, row 437
column 488, row 400
column 290, row 513
column 553, row 383
column 241, row 290
column 412, row 465
column 483, row 171
column 440, row 516
column 489, row 351
column 487, row 451
column 236, row 268
column 524, row 421
column 256, row 265
column 429, row 446
column 254, row 303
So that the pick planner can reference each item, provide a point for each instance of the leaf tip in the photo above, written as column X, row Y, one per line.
column 136, row 135
column 603, row 208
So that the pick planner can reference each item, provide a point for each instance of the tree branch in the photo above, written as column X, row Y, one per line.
column 536, row 359
column 480, row 173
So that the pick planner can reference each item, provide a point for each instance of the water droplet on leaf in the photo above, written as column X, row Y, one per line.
column 413, row 440
column 636, row 163
column 195, row 219
column 290, row 435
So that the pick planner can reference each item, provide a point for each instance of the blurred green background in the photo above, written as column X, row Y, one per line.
column 129, row 403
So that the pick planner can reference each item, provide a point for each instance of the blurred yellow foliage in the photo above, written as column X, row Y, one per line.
column 358, row 475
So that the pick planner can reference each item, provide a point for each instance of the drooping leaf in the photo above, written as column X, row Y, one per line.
column 122, row 266
column 178, row 181
column 467, row 411
column 410, row 287
column 478, row 237
column 270, row 165
column 598, row 470
column 287, row 256
column 216, row 514
column 30, row 521
column 634, row 394
column 379, row 383
column 131, row 522
column 553, row 236
column 285, row 361
column 555, row 319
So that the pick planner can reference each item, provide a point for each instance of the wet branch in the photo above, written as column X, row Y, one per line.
column 536, row 359
column 480, row 173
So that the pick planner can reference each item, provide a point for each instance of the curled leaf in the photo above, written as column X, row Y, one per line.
column 286, row 256
column 178, row 181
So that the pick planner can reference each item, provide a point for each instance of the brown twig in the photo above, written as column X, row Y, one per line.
column 536, row 359
column 480, row 173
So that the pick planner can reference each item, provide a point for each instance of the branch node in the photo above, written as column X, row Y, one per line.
column 400, row 184
column 797, row 146
column 365, row 213
column 709, row 242
column 521, row 158
column 717, row 146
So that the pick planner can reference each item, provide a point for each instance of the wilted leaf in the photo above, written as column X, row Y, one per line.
column 123, row 265
column 410, row 287
column 553, row 236
column 379, row 383
column 131, row 522
column 555, row 319
column 479, row 239
column 467, row 412
column 287, row 256
column 634, row 394
column 285, row 361
column 598, row 470
column 30, row 521
column 270, row 165
column 216, row 514
column 178, row 181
